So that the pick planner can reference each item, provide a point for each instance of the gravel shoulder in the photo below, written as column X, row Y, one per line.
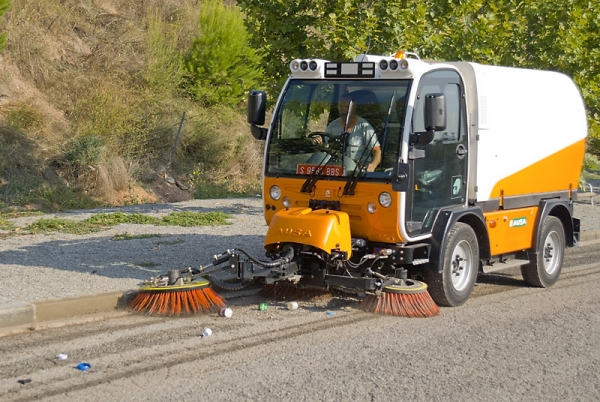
column 42, row 267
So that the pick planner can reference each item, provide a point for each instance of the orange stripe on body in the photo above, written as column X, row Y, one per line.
column 559, row 171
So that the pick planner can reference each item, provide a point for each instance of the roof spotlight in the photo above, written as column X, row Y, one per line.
column 383, row 65
column 303, row 65
column 394, row 64
column 312, row 65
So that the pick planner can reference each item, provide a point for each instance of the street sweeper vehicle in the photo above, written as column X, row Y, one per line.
column 399, row 180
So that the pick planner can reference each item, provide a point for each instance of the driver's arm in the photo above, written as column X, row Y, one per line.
column 376, row 154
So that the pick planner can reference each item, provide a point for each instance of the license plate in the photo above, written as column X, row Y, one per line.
column 323, row 170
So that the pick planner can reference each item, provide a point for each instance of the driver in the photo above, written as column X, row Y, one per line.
column 360, row 138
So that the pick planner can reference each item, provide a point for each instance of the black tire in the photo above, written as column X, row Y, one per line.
column 453, row 286
column 545, row 267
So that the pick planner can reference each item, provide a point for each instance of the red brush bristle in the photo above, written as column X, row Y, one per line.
column 413, row 305
column 283, row 292
column 178, row 302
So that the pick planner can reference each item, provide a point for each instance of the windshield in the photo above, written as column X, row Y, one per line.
column 338, row 128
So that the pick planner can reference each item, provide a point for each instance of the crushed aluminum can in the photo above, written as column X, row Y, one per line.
column 292, row 306
column 226, row 312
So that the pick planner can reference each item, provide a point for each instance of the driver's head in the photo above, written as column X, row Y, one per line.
column 344, row 103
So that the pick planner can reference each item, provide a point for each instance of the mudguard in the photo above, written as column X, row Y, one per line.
column 444, row 222
column 324, row 229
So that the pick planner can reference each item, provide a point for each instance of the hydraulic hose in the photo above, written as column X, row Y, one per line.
column 278, row 262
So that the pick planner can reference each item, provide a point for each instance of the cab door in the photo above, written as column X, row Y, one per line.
column 439, row 169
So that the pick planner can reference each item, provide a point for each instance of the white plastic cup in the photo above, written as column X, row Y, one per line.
column 207, row 332
column 292, row 306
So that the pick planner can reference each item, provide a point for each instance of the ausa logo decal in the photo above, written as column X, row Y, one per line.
column 518, row 222
column 295, row 232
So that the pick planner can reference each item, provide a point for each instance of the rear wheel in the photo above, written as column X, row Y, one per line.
column 453, row 286
column 545, row 267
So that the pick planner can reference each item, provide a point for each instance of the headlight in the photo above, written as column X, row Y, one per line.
column 385, row 199
column 287, row 202
column 275, row 192
column 371, row 207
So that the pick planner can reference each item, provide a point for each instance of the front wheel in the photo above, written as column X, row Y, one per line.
column 545, row 267
column 454, row 284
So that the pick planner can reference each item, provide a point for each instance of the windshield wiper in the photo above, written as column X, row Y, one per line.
column 359, row 169
column 316, row 175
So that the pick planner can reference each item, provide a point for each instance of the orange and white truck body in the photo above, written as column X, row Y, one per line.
column 479, row 166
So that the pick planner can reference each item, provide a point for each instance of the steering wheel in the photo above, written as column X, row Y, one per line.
column 322, row 146
column 319, row 134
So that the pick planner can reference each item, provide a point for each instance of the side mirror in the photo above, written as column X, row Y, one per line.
column 435, row 112
column 435, row 119
column 257, row 101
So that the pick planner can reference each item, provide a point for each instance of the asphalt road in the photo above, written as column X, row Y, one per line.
column 508, row 342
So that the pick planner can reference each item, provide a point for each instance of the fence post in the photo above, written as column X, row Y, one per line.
column 176, row 140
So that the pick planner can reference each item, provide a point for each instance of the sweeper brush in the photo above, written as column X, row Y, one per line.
column 408, row 298
column 175, row 300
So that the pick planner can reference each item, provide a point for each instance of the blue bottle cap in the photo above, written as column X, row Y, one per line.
column 84, row 366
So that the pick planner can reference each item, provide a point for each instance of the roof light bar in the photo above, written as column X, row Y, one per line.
column 350, row 70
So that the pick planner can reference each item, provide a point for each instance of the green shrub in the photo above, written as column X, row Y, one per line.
column 221, row 66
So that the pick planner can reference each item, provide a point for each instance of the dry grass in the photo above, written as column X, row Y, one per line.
column 108, row 69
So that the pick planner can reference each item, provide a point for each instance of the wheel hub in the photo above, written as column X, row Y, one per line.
column 461, row 265
column 551, row 254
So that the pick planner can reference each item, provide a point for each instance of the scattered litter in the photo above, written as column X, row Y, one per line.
column 62, row 356
column 330, row 313
column 84, row 366
column 24, row 380
column 206, row 332
column 226, row 312
column 292, row 306
column 263, row 306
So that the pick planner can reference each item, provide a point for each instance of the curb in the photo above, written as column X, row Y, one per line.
column 591, row 237
column 20, row 315
column 26, row 315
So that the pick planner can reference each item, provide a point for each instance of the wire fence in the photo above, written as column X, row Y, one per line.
column 158, row 144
